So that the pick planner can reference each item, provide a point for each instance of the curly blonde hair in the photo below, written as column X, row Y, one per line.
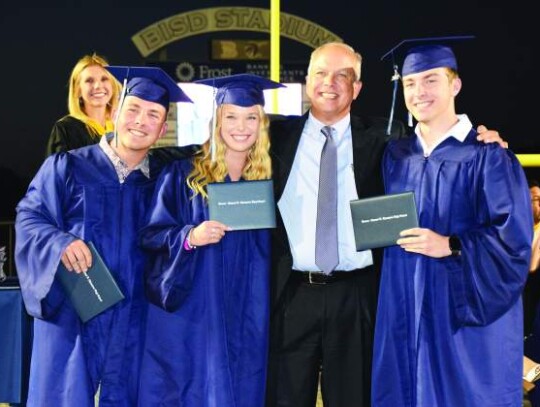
column 205, row 170
column 75, row 104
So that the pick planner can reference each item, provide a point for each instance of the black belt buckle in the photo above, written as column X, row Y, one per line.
column 312, row 275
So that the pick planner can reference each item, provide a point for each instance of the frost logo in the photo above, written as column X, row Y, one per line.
column 185, row 71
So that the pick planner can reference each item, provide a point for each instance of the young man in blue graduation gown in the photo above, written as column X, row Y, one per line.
column 208, row 333
column 449, row 321
column 100, row 194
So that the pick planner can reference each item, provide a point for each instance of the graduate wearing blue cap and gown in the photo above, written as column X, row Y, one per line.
column 449, row 319
column 209, row 327
column 81, row 195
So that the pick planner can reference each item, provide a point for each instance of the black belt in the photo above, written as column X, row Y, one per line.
column 315, row 277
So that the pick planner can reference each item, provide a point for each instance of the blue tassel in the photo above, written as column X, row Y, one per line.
column 395, row 79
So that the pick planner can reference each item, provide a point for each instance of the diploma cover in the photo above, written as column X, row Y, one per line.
column 377, row 221
column 92, row 292
column 243, row 204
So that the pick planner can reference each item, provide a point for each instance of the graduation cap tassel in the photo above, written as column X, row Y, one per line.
column 213, row 130
column 117, row 114
column 395, row 80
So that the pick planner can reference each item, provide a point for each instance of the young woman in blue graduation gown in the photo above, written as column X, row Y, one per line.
column 209, row 283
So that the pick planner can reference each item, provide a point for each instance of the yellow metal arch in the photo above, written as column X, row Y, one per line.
column 529, row 160
column 219, row 19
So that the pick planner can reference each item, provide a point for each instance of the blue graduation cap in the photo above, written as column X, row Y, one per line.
column 148, row 83
column 242, row 90
column 424, row 54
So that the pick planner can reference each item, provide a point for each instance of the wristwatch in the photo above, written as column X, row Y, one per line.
column 455, row 245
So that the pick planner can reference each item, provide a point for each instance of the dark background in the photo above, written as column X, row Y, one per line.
column 42, row 42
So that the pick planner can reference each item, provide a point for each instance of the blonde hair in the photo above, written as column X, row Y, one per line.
column 205, row 170
column 347, row 48
column 452, row 74
column 75, row 103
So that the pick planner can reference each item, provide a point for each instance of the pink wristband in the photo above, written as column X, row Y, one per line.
column 187, row 245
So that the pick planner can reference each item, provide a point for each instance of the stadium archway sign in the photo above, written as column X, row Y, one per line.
column 219, row 19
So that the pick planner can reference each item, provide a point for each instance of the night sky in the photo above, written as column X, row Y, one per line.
column 42, row 43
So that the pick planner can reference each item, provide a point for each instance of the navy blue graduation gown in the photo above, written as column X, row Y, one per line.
column 78, row 195
column 449, row 331
column 208, row 333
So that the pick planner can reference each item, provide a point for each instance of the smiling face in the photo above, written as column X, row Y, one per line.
column 140, row 124
column 332, row 84
column 430, row 95
column 240, row 127
column 95, row 86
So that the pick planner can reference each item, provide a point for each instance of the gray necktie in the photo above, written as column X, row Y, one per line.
column 326, row 241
